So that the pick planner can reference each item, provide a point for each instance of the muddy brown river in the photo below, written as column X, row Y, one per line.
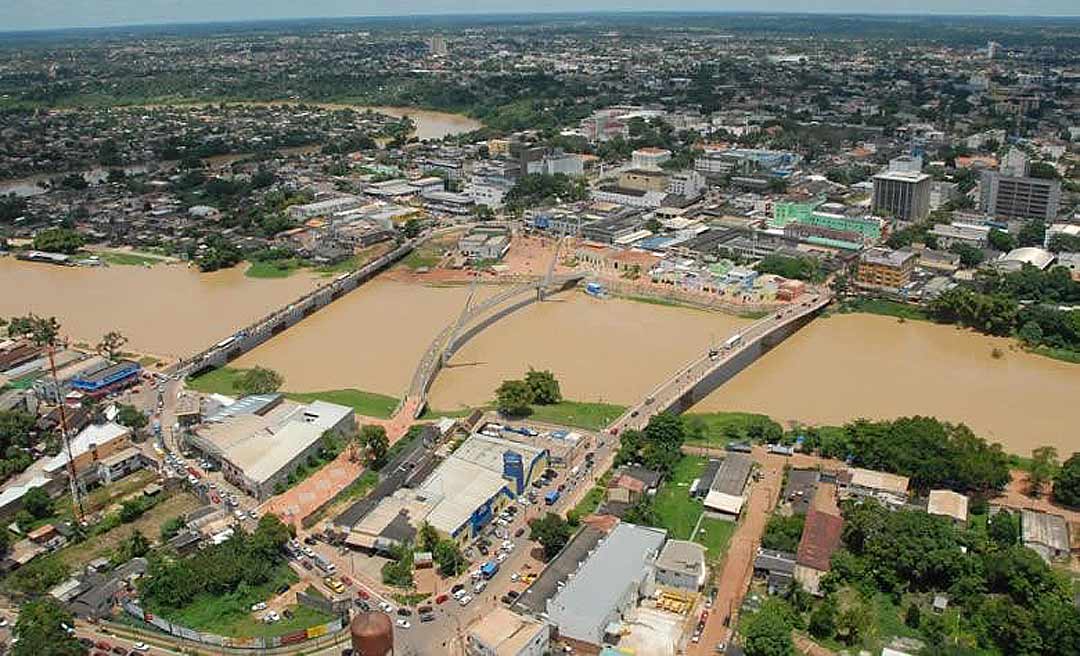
column 834, row 370
column 166, row 310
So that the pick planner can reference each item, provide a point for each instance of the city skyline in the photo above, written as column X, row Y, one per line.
column 60, row 14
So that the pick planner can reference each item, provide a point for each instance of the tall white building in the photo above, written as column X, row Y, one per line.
column 650, row 159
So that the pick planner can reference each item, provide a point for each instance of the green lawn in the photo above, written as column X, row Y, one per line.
column 230, row 615
column 127, row 259
column 348, row 264
column 223, row 381
column 677, row 512
column 418, row 259
column 217, row 381
column 365, row 403
column 590, row 416
column 1065, row 355
column 714, row 535
column 886, row 308
column 719, row 428
column 273, row 268
column 592, row 499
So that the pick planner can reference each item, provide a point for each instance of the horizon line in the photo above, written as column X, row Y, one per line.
column 598, row 13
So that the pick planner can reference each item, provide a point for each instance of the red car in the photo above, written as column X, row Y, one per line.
column 346, row 580
column 362, row 593
column 101, row 644
column 441, row 598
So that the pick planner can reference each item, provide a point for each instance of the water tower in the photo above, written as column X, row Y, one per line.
column 372, row 634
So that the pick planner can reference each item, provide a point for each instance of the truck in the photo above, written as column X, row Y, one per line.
column 551, row 497
column 732, row 342
column 489, row 569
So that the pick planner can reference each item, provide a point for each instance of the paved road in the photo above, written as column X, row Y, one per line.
column 686, row 378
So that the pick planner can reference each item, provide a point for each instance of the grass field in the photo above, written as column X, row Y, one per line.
column 230, row 615
column 365, row 403
column 719, row 428
column 127, row 259
column 419, row 259
column 590, row 416
column 885, row 308
column 216, row 381
column 677, row 512
column 273, row 268
column 714, row 535
column 592, row 499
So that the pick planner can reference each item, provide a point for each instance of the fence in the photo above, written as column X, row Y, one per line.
column 269, row 642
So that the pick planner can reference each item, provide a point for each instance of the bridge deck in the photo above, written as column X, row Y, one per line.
column 668, row 393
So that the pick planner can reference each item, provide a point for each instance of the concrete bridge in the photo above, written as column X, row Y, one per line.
column 473, row 319
column 276, row 322
column 695, row 381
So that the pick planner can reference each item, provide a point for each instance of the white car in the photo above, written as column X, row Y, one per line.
column 501, row 557
column 515, row 577
column 259, row 606
column 460, row 593
column 479, row 587
column 464, row 601
column 386, row 608
column 272, row 617
column 507, row 544
column 140, row 646
column 403, row 624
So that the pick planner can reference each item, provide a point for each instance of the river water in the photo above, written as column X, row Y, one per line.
column 859, row 365
column 834, row 370
column 166, row 310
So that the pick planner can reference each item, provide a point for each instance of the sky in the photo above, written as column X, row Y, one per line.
column 44, row 14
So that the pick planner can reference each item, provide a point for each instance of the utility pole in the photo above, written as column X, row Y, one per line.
column 48, row 338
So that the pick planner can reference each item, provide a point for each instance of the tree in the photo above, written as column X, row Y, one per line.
column 58, row 240
column 40, row 630
column 854, row 623
column 130, row 416
column 823, row 619
column 375, row 441
column 552, row 532
column 1067, row 482
column 412, row 228
column 259, row 380
column 449, row 558
column 135, row 546
column 783, row 533
column 427, row 538
column 513, row 398
column 970, row 256
column 1032, row 234
column 171, row 528
column 768, row 631
column 37, row 503
column 1003, row 528
column 913, row 616
column 1044, row 462
column 543, row 386
column 111, row 343
column 1001, row 240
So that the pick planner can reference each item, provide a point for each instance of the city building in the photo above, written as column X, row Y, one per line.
column 475, row 482
column 93, row 444
column 727, row 489
column 505, row 633
column 906, row 164
column 1019, row 197
column 649, row 159
column 485, row 243
column 644, row 180
column 260, row 440
column 688, row 184
column 325, row 207
column 948, row 235
column 902, row 195
column 890, row 489
column 489, row 191
column 1018, row 258
column 947, row 503
column 883, row 267
column 607, row 585
column 821, row 538
column 1046, row 534
column 681, row 565
column 99, row 382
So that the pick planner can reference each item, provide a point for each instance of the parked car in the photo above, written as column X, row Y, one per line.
column 465, row 600
column 441, row 599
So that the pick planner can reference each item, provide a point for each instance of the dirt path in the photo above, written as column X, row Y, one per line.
column 738, row 567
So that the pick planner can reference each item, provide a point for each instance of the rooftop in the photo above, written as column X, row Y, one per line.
column 949, row 504
column 92, row 435
column 682, row 556
column 505, row 631
column 602, row 580
column 902, row 176
column 876, row 480
column 1045, row 529
column 820, row 538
